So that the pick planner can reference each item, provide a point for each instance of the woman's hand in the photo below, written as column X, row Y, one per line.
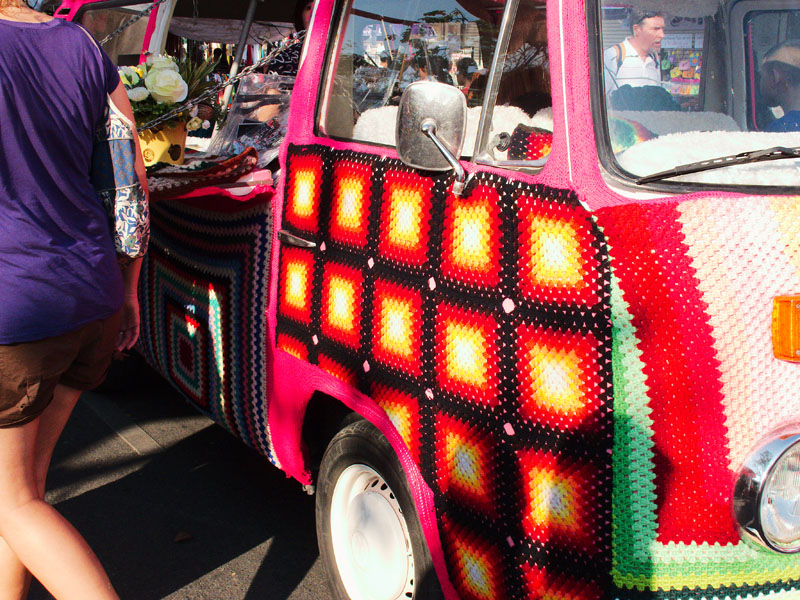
column 129, row 324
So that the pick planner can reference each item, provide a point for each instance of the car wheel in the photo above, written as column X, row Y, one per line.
column 369, row 536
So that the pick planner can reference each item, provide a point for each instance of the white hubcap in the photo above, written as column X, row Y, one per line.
column 370, row 537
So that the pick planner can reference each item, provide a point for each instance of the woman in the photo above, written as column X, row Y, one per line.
column 66, row 304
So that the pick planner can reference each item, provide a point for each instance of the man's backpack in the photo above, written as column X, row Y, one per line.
column 620, row 48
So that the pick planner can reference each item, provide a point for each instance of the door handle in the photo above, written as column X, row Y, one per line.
column 290, row 239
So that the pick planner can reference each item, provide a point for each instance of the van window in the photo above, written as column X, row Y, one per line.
column 126, row 47
column 684, row 85
column 777, row 29
column 384, row 45
column 518, row 124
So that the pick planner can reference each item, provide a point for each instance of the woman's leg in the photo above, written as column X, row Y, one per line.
column 15, row 577
column 51, row 424
column 41, row 538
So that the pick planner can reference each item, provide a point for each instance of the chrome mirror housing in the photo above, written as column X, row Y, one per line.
column 431, row 122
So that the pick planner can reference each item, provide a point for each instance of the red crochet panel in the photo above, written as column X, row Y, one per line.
column 693, row 479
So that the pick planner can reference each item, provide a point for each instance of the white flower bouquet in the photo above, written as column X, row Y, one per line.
column 159, row 85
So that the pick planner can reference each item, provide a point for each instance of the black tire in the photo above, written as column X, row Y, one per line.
column 355, row 447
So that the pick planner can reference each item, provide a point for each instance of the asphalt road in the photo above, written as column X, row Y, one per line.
column 176, row 508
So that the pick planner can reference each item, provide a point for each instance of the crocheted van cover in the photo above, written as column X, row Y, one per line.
column 479, row 325
column 203, row 295
column 490, row 329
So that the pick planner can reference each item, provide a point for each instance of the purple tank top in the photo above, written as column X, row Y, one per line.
column 58, row 270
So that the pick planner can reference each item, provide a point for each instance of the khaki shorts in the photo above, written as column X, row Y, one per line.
column 30, row 371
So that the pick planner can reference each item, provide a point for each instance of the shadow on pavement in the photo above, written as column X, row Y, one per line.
column 192, row 510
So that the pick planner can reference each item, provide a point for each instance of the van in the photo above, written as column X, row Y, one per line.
column 527, row 327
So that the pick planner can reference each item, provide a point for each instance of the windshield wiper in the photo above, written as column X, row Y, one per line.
column 743, row 158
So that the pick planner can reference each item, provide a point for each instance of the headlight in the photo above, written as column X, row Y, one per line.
column 766, row 498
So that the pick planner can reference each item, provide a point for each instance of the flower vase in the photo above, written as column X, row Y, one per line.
column 164, row 144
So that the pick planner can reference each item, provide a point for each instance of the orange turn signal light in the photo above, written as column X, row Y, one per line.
column 786, row 328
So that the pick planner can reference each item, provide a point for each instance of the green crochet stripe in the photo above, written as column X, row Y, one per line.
column 634, row 495
column 775, row 591
column 639, row 560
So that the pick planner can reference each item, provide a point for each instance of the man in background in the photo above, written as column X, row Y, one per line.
column 220, row 57
column 635, row 60
column 471, row 80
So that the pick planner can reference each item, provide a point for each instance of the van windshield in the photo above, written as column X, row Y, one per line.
column 386, row 45
column 695, row 81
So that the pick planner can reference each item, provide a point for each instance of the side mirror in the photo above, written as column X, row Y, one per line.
column 431, row 122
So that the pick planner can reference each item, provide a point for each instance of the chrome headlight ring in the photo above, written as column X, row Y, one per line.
column 766, row 497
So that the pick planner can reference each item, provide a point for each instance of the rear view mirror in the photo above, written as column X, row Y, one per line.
column 431, row 112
